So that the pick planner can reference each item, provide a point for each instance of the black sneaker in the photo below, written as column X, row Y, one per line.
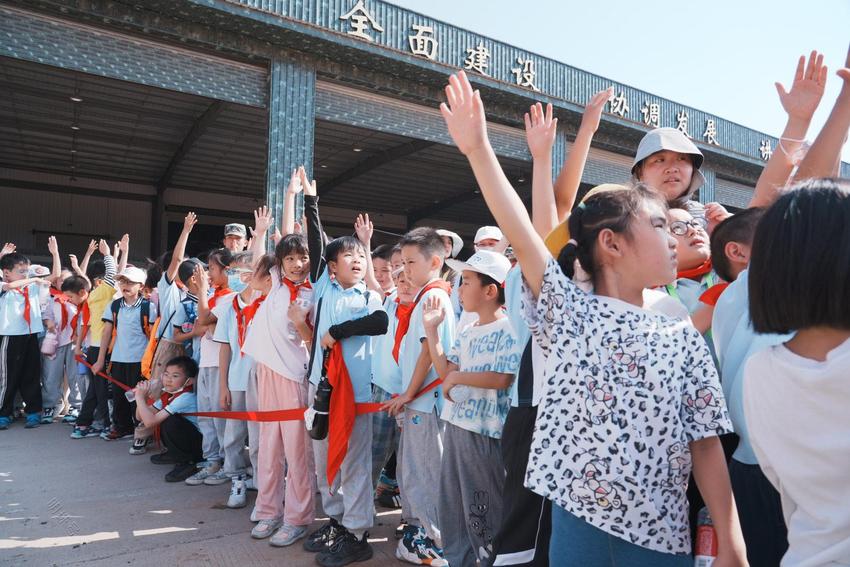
column 181, row 472
column 163, row 459
column 323, row 537
column 346, row 549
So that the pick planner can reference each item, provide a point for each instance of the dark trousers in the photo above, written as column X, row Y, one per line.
column 20, row 371
column 182, row 439
column 124, row 412
column 96, row 402
column 523, row 538
column 760, row 512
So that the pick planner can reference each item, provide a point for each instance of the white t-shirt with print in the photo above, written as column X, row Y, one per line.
column 484, row 348
column 627, row 390
column 799, row 426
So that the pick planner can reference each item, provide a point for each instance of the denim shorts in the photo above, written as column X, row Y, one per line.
column 575, row 543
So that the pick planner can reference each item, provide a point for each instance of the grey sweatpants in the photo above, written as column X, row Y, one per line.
column 385, row 435
column 212, row 429
column 470, row 507
column 420, row 453
column 236, row 430
column 350, row 500
column 53, row 373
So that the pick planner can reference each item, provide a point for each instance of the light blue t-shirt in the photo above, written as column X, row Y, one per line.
column 169, row 303
column 735, row 342
column 130, row 338
column 12, row 320
column 186, row 402
column 688, row 292
column 513, row 307
column 386, row 373
column 227, row 332
column 411, row 347
column 484, row 348
column 338, row 306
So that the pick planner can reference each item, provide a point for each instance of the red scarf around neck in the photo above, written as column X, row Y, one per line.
column 62, row 299
column 86, row 311
column 294, row 288
column 404, row 315
column 245, row 316
column 218, row 292
column 697, row 272
column 26, row 293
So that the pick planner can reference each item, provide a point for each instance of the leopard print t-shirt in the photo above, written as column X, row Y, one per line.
column 626, row 391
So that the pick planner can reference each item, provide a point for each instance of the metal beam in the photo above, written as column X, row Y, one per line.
column 76, row 190
column 374, row 162
column 203, row 122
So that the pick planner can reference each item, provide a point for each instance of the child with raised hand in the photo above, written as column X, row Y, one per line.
column 615, row 467
column 349, row 313
column 477, row 374
column 94, row 416
column 795, row 394
column 21, row 321
column 128, row 319
column 180, row 434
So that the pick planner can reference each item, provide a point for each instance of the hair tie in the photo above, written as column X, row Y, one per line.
column 573, row 242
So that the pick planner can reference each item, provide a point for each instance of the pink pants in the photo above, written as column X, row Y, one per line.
column 283, row 444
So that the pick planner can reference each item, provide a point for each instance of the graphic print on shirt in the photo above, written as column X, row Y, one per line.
column 596, row 487
column 599, row 401
column 704, row 407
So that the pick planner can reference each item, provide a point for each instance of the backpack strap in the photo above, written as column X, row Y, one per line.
column 145, row 315
column 115, row 308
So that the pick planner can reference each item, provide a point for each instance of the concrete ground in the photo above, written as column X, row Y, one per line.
column 87, row 501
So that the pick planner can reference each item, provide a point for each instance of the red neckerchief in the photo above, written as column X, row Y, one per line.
column 26, row 293
column 295, row 287
column 245, row 316
column 697, row 272
column 712, row 294
column 166, row 398
column 84, row 309
column 218, row 292
column 62, row 299
column 404, row 315
column 342, row 412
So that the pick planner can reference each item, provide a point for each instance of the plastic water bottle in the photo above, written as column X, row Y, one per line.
column 705, row 550
column 304, row 300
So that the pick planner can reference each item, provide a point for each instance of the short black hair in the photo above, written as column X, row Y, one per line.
column 187, row 269
column 96, row 270
column 738, row 228
column 265, row 264
column 800, row 262
column 76, row 284
column 9, row 261
column 486, row 280
column 341, row 245
column 427, row 240
column 186, row 364
column 220, row 257
column 384, row 252
column 291, row 244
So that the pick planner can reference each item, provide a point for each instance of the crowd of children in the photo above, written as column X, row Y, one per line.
column 576, row 398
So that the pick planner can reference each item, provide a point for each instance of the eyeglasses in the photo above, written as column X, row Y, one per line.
column 680, row 228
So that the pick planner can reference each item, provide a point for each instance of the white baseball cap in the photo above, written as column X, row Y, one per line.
column 486, row 232
column 457, row 241
column 39, row 271
column 484, row 262
column 133, row 274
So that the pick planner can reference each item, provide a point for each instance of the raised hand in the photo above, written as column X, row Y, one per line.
column 103, row 247
column 201, row 279
column 92, row 247
column 262, row 220
column 540, row 129
column 593, row 111
column 844, row 73
column 433, row 313
column 75, row 265
column 116, row 248
column 124, row 243
column 308, row 184
column 189, row 222
column 806, row 90
column 52, row 246
column 295, row 185
column 277, row 237
column 364, row 228
column 464, row 115
column 8, row 248
column 715, row 213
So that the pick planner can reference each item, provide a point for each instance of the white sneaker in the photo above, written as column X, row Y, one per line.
column 198, row 478
column 287, row 535
column 250, row 484
column 265, row 528
column 237, row 493
column 218, row 477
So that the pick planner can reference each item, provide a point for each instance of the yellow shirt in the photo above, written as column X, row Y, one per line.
column 99, row 300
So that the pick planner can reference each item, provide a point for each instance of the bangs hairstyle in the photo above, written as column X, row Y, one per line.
column 221, row 257
column 289, row 245
column 427, row 240
column 264, row 265
column 186, row 364
column 614, row 210
column 800, row 265
column 341, row 245
column 9, row 261
column 680, row 202
column 738, row 228
column 76, row 284
column 384, row 252
column 96, row 270
column 486, row 280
